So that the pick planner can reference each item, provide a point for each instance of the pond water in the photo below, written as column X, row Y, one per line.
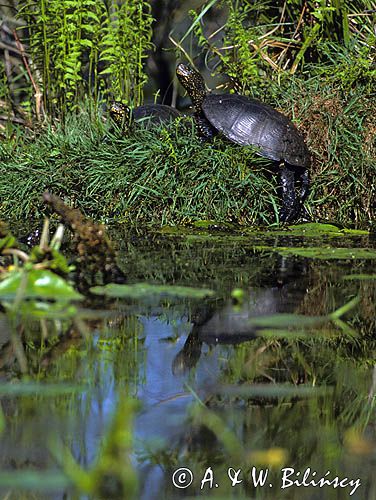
column 220, row 393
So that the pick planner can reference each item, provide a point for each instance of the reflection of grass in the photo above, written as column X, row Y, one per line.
column 360, row 277
column 287, row 402
column 42, row 390
column 291, row 402
column 62, row 403
column 113, row 475
column 249, row 419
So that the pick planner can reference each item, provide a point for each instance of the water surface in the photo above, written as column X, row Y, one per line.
column 215, row 391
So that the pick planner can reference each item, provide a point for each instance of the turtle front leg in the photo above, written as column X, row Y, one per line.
column 290, row 206
column 205, row 131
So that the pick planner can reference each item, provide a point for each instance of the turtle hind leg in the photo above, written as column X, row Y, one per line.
column 293, row 207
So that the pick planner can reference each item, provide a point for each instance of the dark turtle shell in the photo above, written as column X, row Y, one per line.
column 247, row 121
column 146, row 115
column 154, row 113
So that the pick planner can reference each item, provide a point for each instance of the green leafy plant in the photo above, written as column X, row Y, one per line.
column 82, row 47
column 263, row 40
column 167, row 176
column 126, row 38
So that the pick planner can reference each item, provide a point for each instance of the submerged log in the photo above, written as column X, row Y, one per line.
column 91, row 243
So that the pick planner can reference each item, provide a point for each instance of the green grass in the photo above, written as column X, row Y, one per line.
column 167, row 176
column 154, row 176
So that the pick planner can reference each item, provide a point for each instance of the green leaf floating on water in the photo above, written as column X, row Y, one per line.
column 285, row 324
column 144, row 290
column 285, row 320
column 324, row 253
column 37, row 283
column 319, row 229
column 307, row 230
column 292, row 334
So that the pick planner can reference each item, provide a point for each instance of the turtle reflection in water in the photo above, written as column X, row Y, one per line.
column 146, row 115
column 246, row 122
column 215, row 323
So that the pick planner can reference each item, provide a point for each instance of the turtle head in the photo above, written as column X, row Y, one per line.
column 193, row 83
column 121, row 114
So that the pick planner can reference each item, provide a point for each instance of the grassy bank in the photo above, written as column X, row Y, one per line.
column 167, row 176
column 154, row 176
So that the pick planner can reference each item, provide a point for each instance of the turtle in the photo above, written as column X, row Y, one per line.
column 146, row 115
column 246, row 121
